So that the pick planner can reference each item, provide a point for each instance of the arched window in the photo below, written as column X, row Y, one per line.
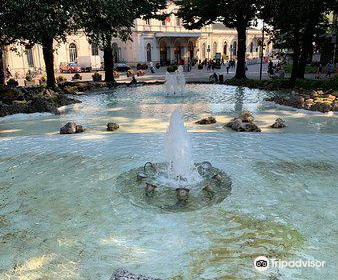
column 225, row 48
column 29, row 54
column 95, row 49
column 148, row 52
column 72, row 52
column 204, row 50
column 234, row 48
column 251, row 47
column 214, row 48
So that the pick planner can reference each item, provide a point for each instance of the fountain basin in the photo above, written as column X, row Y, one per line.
column 167, row 192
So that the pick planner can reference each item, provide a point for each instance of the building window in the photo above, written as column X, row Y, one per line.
column 163, row 22
column 214, row 48
column 234, row 48
column 225, row 48
column 178, row 21
column 147, row 21
column 148, row 52
column 72, row 52
column 29, row 54
column 95, row 49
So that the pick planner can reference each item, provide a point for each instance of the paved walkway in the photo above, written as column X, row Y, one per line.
column 194, row 75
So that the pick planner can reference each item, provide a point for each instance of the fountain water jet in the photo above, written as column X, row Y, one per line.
column 175, row 82
column 181, row 166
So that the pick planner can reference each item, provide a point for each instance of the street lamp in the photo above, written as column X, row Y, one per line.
column 262, row 49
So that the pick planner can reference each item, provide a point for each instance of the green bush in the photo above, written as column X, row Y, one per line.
column 97, row 77
column 29, row 78
column 172, row 68
column 77, row 76
column 280, row 84
column 12, row 82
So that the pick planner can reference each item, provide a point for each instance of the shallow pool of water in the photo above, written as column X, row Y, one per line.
column 64, row 215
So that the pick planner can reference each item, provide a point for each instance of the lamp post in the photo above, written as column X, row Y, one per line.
column 262, row 49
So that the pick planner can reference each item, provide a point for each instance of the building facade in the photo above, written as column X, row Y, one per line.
column 161, row 42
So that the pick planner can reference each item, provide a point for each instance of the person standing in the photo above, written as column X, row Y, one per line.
column 151, row 66
column 270, row 68
column 227, row 66
column 329, row 69
column 319, row 71
column 8, row 72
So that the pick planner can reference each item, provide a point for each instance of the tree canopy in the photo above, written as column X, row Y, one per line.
column 238, row 14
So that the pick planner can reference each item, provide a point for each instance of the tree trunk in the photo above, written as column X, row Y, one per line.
column 296, row 53
column 307, row 40
column 48, row 57
column 2, row 68
column 241, row 35
column 108, row 62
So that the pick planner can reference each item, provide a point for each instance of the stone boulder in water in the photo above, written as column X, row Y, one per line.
column 279, row 123
column 208, row 120
column 71, row 128
column 239, row 126
column 122, row 274
column 243, row 123
column 112, row 126
column 246, row 117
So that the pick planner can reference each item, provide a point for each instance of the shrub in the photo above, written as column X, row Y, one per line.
column 172, row 68
column 97, row 77
column 61, row 79
column 29, row 78
column 140, row 72
column 12, row 83
column 43, row 79
column 142, row 66
column 130, row 73
column 158, row 65
column 77, row 76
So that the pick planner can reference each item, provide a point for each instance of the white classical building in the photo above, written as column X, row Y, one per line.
column 152, row 40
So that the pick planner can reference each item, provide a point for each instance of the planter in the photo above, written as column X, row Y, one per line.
column 97, row 79
column 30, row 83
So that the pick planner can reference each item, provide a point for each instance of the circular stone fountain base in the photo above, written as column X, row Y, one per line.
column 213, row 188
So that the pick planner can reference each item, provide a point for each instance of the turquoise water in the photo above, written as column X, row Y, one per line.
column 63, row 214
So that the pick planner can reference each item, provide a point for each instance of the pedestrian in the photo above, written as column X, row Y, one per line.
column 227, row 66
column 151, row 67
column 329, row 69
column 209, row 65
column 319, row 71
column 8, row 72
column 270, row 68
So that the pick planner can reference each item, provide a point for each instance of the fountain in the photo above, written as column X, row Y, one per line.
column 178, row 151
column 175, row 82
column 178, row 183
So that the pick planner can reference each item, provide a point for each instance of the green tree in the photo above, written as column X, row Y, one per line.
column 5, row 40
column 238, row 14
column 103, row 20
column 295, row 24
column 39, row 22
